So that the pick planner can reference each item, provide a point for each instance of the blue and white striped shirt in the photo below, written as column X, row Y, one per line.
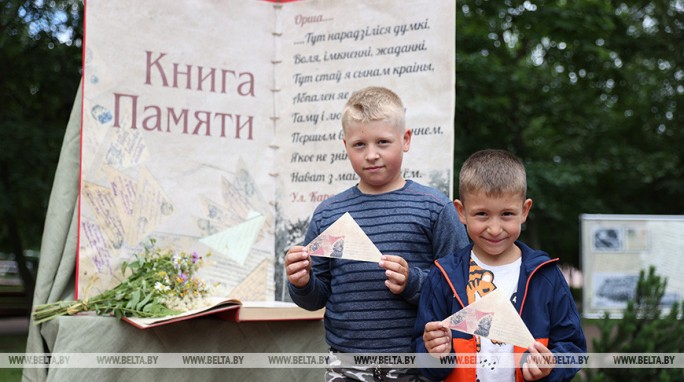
column 415, row 222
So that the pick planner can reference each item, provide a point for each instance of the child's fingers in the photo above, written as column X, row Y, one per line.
column 540, row 354
column 396, row 270
column 299, row 278
column 398, row 278
column 296, row 254
column 394, row 287
column 394, row 263
column 297, row 266
column 436, row 338
column 529, row 371
column 395, row 282
column 439, row 346
column 540, row 348
column 532, row 371
column 434, row 325
column 435, row 331
column 539, row 363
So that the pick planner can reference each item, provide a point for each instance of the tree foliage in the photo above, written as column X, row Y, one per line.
column 643, row 329
column 40, row 60
column 588, row 93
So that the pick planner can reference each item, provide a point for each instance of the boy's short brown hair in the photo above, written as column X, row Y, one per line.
column 494, row 172
column 374, row 104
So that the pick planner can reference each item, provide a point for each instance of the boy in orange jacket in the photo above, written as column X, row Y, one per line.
column 493, row 206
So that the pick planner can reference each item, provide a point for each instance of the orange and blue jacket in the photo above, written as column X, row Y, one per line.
column 544, row 302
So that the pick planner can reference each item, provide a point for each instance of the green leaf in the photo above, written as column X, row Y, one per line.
column 135, row 298
column 142, row 303
column 156, row 309
column 134, row 266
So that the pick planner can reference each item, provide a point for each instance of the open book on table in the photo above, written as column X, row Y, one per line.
column 234, row 310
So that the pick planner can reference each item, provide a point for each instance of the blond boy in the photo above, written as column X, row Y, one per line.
column 372, row 307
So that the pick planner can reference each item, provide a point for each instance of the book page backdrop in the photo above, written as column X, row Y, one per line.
column 214, row 126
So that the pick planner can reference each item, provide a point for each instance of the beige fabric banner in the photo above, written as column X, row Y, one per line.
column 215, row 125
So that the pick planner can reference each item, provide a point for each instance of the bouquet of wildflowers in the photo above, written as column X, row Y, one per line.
column 161, row 283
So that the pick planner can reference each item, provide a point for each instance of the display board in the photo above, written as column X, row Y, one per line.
column 214, row 126
column 615, row 248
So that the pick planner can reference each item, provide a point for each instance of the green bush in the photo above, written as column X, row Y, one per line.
column 643, row 329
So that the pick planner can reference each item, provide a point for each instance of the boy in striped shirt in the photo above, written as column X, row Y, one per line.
column 371, row 308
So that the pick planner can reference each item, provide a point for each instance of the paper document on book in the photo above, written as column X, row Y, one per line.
column 234, row 310
column 344, row 239
column 494, row 317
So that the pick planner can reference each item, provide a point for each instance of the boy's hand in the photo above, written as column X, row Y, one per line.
column 536, row 366
column 298, row 266
column 437, row 339
column 397, row 272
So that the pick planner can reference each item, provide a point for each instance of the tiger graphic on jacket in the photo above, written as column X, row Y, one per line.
column 480, row 282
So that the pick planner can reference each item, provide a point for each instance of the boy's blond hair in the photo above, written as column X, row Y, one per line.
column 494, row 172
column 374, row 104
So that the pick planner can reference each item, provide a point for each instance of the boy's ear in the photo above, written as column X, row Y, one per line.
column 461, row 210
column 527, row 206
column 407, row 139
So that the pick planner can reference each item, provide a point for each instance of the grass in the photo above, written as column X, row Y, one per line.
column 12, row 343
column 13, row 303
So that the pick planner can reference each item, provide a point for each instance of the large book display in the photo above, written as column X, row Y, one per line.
column 214, row 126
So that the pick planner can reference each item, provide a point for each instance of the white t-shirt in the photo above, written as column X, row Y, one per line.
column 495, row 360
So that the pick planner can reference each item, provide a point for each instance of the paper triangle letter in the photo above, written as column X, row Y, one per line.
column 494, row 317
column 344, row 239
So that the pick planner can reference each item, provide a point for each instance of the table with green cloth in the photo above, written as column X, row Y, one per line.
column 94, row 334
